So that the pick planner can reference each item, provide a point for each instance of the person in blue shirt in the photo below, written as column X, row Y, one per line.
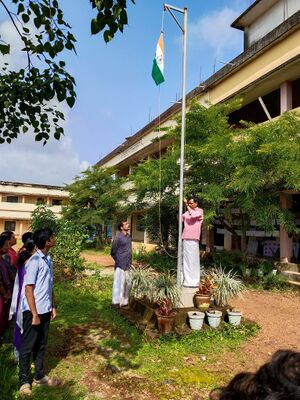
column 38, row 309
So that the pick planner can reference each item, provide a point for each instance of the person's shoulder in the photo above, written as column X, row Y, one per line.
column 34, row 259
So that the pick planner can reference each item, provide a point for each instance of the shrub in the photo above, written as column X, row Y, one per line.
column 43, row 217
column 69, row 241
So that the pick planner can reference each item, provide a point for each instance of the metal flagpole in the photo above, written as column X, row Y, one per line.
column 182, row 140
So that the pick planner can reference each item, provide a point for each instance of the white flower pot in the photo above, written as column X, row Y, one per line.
column 214, row 318
column 234, row 317
column 196, row 319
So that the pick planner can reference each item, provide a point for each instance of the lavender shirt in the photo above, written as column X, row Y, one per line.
column 121, row 251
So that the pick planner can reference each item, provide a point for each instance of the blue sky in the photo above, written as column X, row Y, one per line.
column 116, row 95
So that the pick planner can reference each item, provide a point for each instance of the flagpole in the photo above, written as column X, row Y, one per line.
column 182, row 138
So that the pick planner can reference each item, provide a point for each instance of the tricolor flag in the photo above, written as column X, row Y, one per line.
column 158, row 62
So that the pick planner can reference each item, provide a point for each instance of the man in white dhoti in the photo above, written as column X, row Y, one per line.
column 121, row 251
column 192, row 219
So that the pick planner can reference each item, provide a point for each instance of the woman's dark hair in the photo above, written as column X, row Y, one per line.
column 279, row 379
column 41, row 236
column 7, row 234
column 26, row 236
column 25, row 253
column 120, row 224
column 3, row 239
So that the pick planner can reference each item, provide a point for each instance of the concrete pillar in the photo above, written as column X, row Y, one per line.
column 227, row 242
column 23, row 199
column 286, row 242
column 286, row 96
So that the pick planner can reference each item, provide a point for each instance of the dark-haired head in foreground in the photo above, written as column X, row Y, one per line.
column 278, row 379
column 42, row 237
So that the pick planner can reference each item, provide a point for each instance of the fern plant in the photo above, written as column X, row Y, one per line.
column 228, row 285
column 141, row 282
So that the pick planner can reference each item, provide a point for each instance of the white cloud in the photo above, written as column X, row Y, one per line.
column 25, row 160
column 214, row 31
column 16, row 58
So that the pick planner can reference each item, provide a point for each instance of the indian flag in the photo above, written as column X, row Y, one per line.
column 158, row 62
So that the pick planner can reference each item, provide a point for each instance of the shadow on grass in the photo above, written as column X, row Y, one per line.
column 109, row 336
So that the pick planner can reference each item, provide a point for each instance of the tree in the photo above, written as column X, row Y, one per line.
column 95, row 199
column 43, row 217
column 238, row 173
column 25, row 95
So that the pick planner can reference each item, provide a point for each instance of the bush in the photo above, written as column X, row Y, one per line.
column 43, row 217
column 271, row 281
column 69, row 242
column 160, row 261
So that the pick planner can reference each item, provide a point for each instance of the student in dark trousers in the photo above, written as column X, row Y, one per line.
column 38, row 309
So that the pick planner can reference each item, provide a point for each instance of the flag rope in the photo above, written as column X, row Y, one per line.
column 160, row 166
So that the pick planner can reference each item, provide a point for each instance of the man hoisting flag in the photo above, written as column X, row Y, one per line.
column 158, row 62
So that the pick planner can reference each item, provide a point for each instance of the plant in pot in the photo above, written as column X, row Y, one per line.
column 203, row 295
column 228, row 285
column 166, row 294
column 141, row 282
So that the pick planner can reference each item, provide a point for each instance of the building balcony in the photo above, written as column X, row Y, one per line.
column 21, row 210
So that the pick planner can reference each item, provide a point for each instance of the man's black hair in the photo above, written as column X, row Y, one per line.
column 120, row 224
column 41, row 236
column 195, row 198
column 26, row 236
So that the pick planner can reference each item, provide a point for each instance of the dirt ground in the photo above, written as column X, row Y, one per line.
column 276, row 313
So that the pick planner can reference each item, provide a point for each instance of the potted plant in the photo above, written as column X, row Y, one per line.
column 166, row 294
column 227, row 285
column 213, row 317
column 196, row 319
column 234, row 316
column 203, row 295
column 141, row 282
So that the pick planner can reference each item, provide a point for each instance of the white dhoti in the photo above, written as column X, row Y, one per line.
column 121, row 287
column 191, row 263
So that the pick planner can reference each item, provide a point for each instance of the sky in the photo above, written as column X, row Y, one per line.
column 116, row 95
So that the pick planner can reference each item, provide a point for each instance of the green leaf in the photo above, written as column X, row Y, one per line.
column 25, row 18
column 70, row 101
column 20, row 8
column 4, row 48
column 108, row 35
column 95, row 26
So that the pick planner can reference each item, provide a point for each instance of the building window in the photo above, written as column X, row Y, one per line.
column 12, row 199
column 56, row 202
column 10, row 225
column 140, row 225
column 40, row 200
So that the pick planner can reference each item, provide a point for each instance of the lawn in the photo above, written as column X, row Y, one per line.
column 99, row 355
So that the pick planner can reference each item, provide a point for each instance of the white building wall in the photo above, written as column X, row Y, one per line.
column 277, row 14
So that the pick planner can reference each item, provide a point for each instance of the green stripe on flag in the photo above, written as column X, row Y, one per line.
column 156, row 73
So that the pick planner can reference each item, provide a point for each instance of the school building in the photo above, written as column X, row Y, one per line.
column 19, row 200
column 266, row 75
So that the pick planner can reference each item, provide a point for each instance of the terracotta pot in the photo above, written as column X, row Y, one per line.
column 165, row 323
column 202, row 300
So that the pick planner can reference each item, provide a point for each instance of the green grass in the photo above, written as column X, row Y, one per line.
column 161, row 262
column 89, row 337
